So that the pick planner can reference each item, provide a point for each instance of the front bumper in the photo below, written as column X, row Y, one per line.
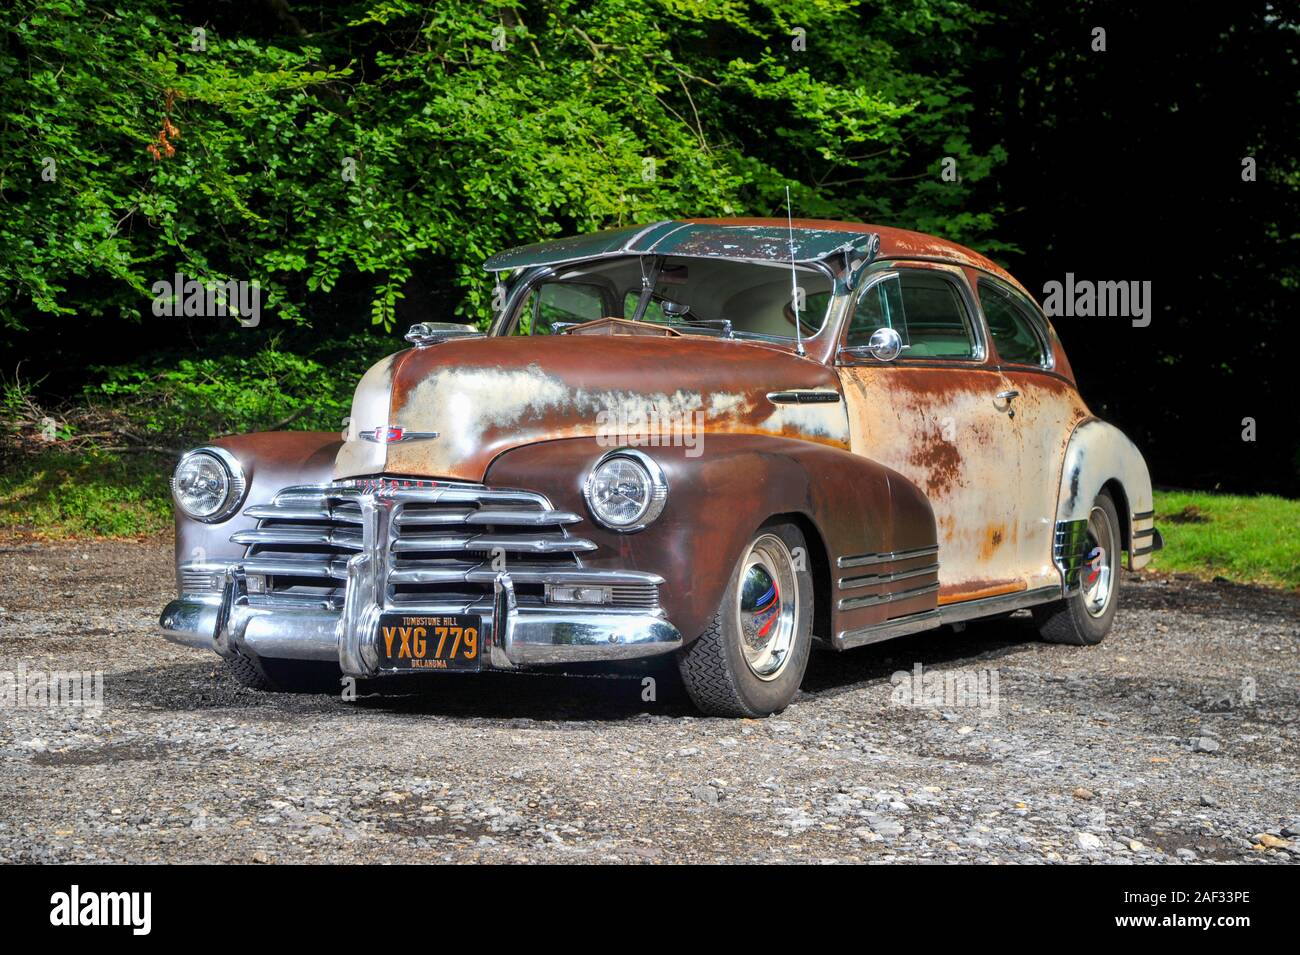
column 232, row 623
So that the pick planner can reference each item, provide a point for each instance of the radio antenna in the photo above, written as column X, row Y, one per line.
column 794, row 278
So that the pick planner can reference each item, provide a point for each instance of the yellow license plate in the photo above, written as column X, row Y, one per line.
column 422, row 642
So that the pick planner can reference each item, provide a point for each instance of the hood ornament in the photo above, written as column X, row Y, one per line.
column 383, row 435
column 431, row 333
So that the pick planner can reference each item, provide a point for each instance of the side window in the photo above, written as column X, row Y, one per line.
column 1011, row 326
column 564, row 302
column 926, row 308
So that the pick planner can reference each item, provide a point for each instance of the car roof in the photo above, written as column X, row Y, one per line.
column 762, row 240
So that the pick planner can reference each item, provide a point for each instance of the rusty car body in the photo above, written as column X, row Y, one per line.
column 841, row 433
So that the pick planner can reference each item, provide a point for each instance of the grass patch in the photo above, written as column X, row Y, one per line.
column 88, row 494
column 1247, row 539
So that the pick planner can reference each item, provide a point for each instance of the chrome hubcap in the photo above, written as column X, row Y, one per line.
column 767, row 608
column 1099, row 566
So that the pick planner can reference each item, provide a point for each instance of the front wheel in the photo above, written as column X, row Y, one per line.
column 1085, row 617
column 751, row 659
column 285, row 676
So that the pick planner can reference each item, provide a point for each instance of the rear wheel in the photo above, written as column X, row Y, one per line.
column 751, row 659
column 1085, row 617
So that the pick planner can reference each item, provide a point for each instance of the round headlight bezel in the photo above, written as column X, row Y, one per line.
column 655, row 502
column 236, row 484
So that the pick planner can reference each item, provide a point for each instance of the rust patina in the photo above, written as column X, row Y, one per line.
column 927, row 490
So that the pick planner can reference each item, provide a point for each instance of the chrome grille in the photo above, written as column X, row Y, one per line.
column 442, row 544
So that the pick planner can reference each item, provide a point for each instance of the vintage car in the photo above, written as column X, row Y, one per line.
column 719, row 439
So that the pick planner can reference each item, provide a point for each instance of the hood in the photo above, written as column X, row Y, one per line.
column 484, row 396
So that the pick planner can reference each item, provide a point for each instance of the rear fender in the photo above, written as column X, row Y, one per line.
column 1099, row 454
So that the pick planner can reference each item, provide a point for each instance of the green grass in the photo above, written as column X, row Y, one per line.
column 1247, row 539
column 84, row 495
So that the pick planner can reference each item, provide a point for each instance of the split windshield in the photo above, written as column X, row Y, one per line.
column 695, row 296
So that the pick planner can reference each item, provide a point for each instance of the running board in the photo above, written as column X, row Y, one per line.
column 950, row 613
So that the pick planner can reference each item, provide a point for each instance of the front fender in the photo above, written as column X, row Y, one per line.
column 271, row 460
column 717, row 499
column 1098, row 454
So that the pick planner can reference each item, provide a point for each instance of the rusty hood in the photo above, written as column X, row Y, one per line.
column 449, row 409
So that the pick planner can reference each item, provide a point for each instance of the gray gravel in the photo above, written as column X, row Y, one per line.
column 1175, row 741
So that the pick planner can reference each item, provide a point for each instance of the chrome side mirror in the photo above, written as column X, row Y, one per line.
column 885, row 344
column 675, row 309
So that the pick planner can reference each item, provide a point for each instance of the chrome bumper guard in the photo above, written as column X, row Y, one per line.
column 516, row 637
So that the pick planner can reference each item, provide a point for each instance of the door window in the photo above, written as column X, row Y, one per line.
column 926, row 308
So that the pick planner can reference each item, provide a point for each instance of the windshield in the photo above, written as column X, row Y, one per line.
column 696, row 296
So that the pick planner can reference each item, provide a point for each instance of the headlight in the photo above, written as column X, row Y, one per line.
column 626, row 490
column 208, row 484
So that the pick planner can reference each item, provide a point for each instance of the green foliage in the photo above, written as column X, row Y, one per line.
column 409, row 133
column 58, row 494
column 1248, row 539
column 179, row 401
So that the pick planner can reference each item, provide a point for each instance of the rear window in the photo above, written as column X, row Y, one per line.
column 1012, row 326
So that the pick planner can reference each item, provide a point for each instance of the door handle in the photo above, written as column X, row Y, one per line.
column 1007, row 396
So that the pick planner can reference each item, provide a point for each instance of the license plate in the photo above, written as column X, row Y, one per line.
column 420, row 642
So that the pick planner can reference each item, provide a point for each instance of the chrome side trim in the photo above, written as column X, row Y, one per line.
column 865, row 560
column 854, row 603
column 950, row 613
column 1157, row 543
column 1003, row 603
column 912, row 623
column 803, row 397
column 870, row 580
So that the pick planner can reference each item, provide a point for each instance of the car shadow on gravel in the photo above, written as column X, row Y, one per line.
column 831, row 673
column 591, row 693
column 597, row 694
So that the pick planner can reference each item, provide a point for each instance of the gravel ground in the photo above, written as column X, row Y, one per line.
column 1175, row 740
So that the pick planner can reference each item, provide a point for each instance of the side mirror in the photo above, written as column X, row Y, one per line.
column 885, row 344
column 675, row 309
